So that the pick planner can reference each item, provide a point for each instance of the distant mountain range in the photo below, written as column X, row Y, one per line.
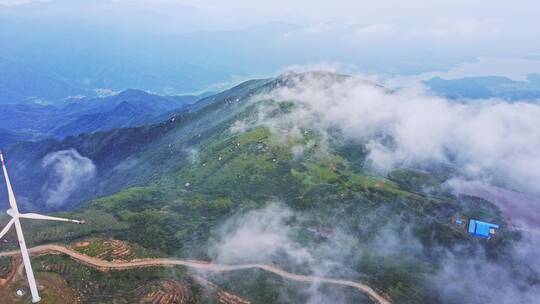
column 20, row 83
column 129, row 108
column 123, row 154
column 76, row 57
column 8, row 137
column 487, row 87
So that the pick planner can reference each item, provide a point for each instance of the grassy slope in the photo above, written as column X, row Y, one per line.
column 176, row 212
column 237, row 172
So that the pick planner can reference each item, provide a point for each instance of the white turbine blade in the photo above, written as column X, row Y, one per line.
column 36, row 216
column 15, row 220
column 26, row 261
column 11, row 196
column 6, row 229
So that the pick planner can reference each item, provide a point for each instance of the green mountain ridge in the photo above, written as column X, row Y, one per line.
column 140, row 153
column 169, row 186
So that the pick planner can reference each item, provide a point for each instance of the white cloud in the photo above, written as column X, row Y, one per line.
column 257, row 236
column 465, row 29
column 270, row 235
column 70, row 171
column 379, row 30
column 18, row 2
column 522, row 209
column 488, row 139
column 477, row 279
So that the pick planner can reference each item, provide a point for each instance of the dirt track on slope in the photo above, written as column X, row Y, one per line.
column 202, row 266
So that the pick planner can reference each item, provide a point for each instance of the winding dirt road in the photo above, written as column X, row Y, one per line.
column 202, row 266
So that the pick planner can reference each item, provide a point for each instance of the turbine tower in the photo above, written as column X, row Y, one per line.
column 15, row 216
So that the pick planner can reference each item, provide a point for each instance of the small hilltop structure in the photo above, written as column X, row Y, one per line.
column 482, row 229
column 476, row 228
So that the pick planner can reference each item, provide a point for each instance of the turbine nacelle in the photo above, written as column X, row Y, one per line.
column 12, row 213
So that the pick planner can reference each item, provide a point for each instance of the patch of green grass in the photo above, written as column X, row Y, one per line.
column 135, row 199
column 256, row 135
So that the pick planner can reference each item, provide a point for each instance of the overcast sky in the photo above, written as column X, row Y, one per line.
column 416, row 35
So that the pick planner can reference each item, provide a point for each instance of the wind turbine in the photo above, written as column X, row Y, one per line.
column 15, row 216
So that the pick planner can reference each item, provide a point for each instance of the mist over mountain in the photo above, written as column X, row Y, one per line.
column 317, row 172
column 327, row 100
column 127, row 164
column 291, row 151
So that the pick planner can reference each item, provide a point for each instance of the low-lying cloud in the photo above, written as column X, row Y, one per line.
column 492, row 140
column 492, row 143
column 70, row 171
column 522, row 209
column 464, row 273
column 475, row 279
column 269, row 235
column 257, row 236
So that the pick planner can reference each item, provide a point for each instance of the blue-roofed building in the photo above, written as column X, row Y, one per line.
column 482, row 229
